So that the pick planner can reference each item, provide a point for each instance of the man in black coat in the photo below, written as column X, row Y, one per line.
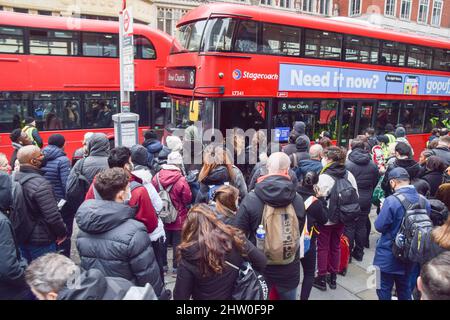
column 48, row 226
column 403, row 159
column 366, row 175
column 443, row 149
column 276, row 190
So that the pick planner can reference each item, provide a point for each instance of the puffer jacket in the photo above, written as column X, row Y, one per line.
column 12, row 265
column 96, row 160
column 366, row 174
column 42, row 206
column 308, row 165
column 276, row 191
column 180, row 194
column 111, row 240
column 191, row 284
column 415, row 171
column 57, row 170
column 93, row 285
column 153, row 147
column 443, row 153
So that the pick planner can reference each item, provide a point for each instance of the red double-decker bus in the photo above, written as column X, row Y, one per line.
column 64, row 72
column 247, row 66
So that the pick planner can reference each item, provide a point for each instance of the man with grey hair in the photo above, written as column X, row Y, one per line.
column 443, row 149
column 273, row 192
column 56, row 277
column 312, row 164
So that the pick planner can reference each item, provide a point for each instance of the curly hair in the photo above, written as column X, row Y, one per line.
column 213, row 238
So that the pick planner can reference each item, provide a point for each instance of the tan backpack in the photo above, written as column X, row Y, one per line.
column 282, row 239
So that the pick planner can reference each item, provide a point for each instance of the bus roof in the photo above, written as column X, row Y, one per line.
column 73, row 24
column 313, row 22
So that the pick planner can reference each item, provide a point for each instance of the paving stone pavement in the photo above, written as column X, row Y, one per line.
column 356, row 285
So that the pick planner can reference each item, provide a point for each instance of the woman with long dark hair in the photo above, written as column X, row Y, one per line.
column 207, row 248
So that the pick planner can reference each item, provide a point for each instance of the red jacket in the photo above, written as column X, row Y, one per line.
column 139, row 198
column 180, row 194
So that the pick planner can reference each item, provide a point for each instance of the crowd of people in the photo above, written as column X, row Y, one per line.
column 101, row 225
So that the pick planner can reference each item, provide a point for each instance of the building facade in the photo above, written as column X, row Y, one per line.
column 430, row 17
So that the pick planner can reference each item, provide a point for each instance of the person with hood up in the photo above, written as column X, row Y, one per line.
column 97, row 152
column 80, row 153
column 52, row 277
column 276, row 190
column 328, row 241
column 152, row 144
column 210, row 255
column 366, row 174
column 142, row 172
column 434, row 173
column 171, row 176
column 111, row 239
column 313, row 163
column 403, row 159
column 298, row 130
column 301, row 152
column 57, row 168
column 217, row 170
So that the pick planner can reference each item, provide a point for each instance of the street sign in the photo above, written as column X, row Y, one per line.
column 126, row 57
column 127, row 22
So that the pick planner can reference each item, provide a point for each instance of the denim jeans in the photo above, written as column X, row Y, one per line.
column 31, row 253
column 387, row 283
column 287, row 294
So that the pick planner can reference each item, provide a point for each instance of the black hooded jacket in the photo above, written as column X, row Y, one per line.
column 93, row 285
column 296, row 144
column 317, row 211
column 414, row 170
column 111, row 240
column 366, row 175
column 277, row 191
column 191, row 283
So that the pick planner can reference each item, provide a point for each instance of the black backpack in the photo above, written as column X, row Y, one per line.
column 21, row 220
column 344, row 204
column 439, row 212
column 76, row 191
column 411, row 244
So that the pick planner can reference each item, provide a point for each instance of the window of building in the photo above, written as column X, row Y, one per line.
column 422, row 16
column 354, row 8
column 278, row 39
column 165, row 17
column 405, row 9
column 44, row 13
column 143, row 48
column 100, row 44
column 11, row 40
column 441, row 59
column 437, row 13
column 361, row 49
column 393, row 54
column 324, row 7
column 285, row 3
column 420, row 57
column 219, row 34
column 246, row 37
column 49, row 42
column 390, row 8
column 308, row 5
column 323, row 44
column 20, row 10
column 266, row 2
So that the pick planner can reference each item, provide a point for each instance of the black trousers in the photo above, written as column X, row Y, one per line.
column 160, row 254
column 356, row 233
column 309, row 267
column 173, row 238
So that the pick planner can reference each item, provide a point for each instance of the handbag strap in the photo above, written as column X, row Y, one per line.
column 231, row 265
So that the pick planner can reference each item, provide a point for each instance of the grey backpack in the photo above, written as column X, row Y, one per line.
column 168, row 212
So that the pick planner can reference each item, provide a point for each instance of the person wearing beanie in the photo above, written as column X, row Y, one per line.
column 57, row 165
column 172, row 179
column 32, row 132
column 298, row 130
column 400, row 135
column 174, row 144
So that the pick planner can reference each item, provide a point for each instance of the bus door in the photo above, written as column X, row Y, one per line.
column 243, row 114
column 355, row 118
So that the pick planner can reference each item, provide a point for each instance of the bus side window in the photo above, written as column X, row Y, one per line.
column 246, row 38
